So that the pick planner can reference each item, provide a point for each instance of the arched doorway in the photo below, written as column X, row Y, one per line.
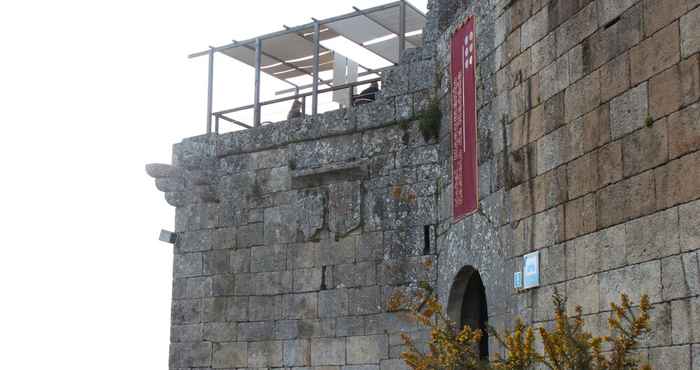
column 467, row 304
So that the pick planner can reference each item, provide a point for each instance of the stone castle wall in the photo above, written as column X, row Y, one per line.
column 292, row 236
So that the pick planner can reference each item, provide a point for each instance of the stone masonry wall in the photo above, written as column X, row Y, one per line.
column 589, row 126
column 293, row 235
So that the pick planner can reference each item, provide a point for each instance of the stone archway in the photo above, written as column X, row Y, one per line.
column 467, row 304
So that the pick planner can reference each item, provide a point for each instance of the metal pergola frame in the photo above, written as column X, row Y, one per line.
column 256, row 45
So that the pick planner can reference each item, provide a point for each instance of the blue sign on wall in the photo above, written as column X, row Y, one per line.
column 531, row 270
column 518, row 280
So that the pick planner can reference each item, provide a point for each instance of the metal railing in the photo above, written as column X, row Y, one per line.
column 216, row 117
column 221, row 115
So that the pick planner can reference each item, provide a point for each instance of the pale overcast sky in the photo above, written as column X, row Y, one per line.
column 91, row 91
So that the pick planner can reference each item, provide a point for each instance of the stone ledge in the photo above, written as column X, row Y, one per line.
column 330, row 173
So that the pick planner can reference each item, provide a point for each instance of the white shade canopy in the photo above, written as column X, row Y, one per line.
column 289, row 53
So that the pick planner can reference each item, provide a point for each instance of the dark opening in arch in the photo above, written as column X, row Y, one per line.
column 467, row 305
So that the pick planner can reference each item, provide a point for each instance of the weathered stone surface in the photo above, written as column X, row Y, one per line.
column 348, row 326
column 223, row 285
column 609, row 9
column 615, row 77
column 337, row 252
column 645, row 148
column 689, row 226
column 681, row 332
column 614, row 38
column 695, row 317
column 673, row 278
column 583, row 175
column 548, row 227
column 583, row 96
column 195, row 241
column 634, row 281
column 367, row 349
column 577, row 69
column 265, row 354
column 677, row 181
column 670, row 357
column 549, row 189
column 255, row 331
column 391, row 322
column 652, row 237
column 691, row 272
column 288, row 224
column 665, row 93
column 312, row 328
column 190, row 354
column 577, row 28
column 553, row 264
column 354, row 275
column 160, row 170
column 302, row 255
column 307, row 280
column 690, row 83
column 553, row 150
column 684, row 131
column 581, row 216
column 511, row 48
column 189, row 288
column 362, row 301
column 596, row 128
column 640, row 197
column 554, row 78
column 268, row 258
column 583, row 292
column 186, row 333
column 521, row 200
column 300, row 306
column 325, row 151
column 690, row 33
column 610, row 203
column 262, row 308
column 344, row 207
column 235, row 309
column 655, row 54
column 543, row 53
column 534, row 29
column 220, row 332
column 394, row 364
column 297, row 353
column 328, row 351
column 610, row 163
column 659, row 13
column 628, row 111
column 240, row 260
column 520, row 12
column 190, row 264
column 250, row 235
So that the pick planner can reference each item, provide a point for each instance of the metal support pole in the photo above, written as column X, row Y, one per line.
column 303, row 106
column 216, row 125
column 210, row 90
column 317, row 47
column 256, row 102
column 402, row 28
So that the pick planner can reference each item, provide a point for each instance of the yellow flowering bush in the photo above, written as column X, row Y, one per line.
column 568, row 346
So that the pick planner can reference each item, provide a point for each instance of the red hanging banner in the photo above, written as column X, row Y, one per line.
column 465, row 173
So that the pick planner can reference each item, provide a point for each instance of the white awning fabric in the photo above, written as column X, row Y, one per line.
column 289, row 55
